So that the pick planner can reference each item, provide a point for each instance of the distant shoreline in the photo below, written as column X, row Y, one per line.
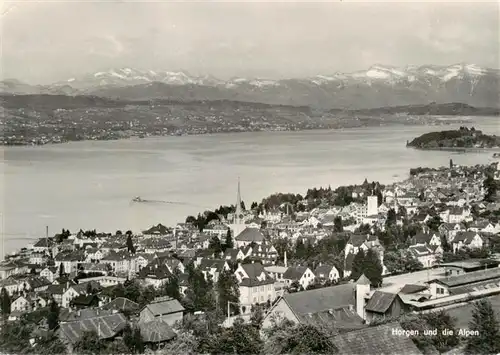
column 377, row 122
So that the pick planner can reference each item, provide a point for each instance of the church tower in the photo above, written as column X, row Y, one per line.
column 238, row 224
column 238, row 215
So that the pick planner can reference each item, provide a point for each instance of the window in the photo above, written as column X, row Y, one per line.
column 255, row 300
column 261, row 288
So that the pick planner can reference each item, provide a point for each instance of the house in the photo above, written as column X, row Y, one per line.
column 50, row 273
column 255, row 284
column 74, row 291
column 276, row 272
column 301, row 274
column 165, row 309
column 333, row 306
column 155, row 274
column 69, row 260
column 382, row 306
column 248, row 236
column 11, row 268
column 38, row 258
column 93, row 255
column 382, row 339
column 156, row 332
column 234, row 255
column 471, row 240
column 119, row 262
column 43, row 245
column 450, row 230
column 426, row 255
column 421, row 239
column 483, row 281
column 326, row 272
column 455, row 215
column 106, row 326
column 212, row 268
column 121, row 304
column 21, row 304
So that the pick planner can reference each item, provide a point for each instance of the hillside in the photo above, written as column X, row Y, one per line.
column 461, row 138
column 43, row 119
column 377, row 86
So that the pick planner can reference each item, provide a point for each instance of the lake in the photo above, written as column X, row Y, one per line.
column 90, row 185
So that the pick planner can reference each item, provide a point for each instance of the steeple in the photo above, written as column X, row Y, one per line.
column 238, row 215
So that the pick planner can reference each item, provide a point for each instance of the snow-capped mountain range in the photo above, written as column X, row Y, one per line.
column 379, row 85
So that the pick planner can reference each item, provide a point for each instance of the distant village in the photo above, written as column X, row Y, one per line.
column 355, row 260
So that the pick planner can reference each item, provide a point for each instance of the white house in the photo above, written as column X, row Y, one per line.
column 471, row 240
column 327, row 273
column 302, row 274
column 255, row 284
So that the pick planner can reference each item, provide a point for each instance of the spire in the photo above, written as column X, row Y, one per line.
column 238, row 215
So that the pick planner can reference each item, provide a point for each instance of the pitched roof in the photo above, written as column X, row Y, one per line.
column 164, row 305
column 409, row 288
column 156, row 331
column 121, row 304
column 322, row 299
column 106, row 326
column 250, row 235
column 294, row 272
column 380, row 301
column 470, row 277
column 375, row 340
column 363, row 280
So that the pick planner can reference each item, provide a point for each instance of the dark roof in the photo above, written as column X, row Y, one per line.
column 357, row 239
column 375, row 340
column 471, row 277
column 409, row 288
column 85, row 300
column 344, row 319
column 322, row 299
column 44, row 243
column 121, row 304
column 164, row 305
column 323, row 269
column 159, row 229
column 380, row 301
column 254, row 270
column 106, row 327
column 294, row 272
column 156, row 331
column 250, row 235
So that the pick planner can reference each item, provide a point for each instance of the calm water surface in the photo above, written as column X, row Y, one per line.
column 90, row 184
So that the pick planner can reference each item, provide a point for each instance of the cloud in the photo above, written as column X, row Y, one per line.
column 242, row 39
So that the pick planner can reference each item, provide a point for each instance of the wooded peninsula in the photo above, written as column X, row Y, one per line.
column 463, row 138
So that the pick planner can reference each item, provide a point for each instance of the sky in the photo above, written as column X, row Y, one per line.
column 44, row 42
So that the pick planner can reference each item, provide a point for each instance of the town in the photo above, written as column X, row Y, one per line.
column 52, row 119
column 360, row 269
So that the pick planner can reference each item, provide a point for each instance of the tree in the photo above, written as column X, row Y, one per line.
column 242, row 205
column 257, row 317
column 89, row 343
column 289, row 338
column 133, row 339
column 372, row 267
column 434, row 223
column 357, row 264
column 337, row 224
column 130, row 244
column 300, row 249
column 391, row 218
column 491, row 188
column 197, row 298
column 172, row 288
column 5, row 302
column 451, row 163
column 229, row 240
column 61, row 270
column 215, row 245
column 53, row 315
column 485, row 322
column 228, row 291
